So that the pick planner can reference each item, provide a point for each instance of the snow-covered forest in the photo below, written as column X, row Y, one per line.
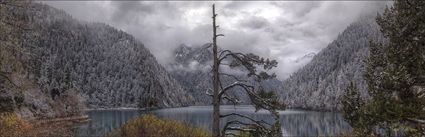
column 321, row 83
column 108, row 66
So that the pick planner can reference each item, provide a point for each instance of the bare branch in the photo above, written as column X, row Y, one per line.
column 208, row 93
column 232, row 54
column 220, row 35
column 235, row 84
column 222, row 53
column 234, row 100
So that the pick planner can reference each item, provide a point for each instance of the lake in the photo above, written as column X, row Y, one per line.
column 294, row 122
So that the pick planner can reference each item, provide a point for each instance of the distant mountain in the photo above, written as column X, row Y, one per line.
column 192, row 68
column 109, row 67
column 321, row 83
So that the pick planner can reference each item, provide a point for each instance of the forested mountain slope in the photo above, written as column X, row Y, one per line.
column 19, row 91
column 109, row 67
column 321, row 83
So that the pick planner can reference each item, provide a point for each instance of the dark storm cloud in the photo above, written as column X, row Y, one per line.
column 282, row 30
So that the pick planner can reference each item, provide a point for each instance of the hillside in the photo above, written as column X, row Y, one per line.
column 110, row 67
column 107, row 67
column 321, row 82
column 19, row 90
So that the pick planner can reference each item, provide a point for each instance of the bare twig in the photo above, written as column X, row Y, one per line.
column 235, row 84
column 234, row 100
column 208, row 93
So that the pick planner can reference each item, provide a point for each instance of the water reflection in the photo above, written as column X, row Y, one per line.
column 104, row 121
column 294, row 122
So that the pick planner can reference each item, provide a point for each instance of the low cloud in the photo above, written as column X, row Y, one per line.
column 254, row 23
column 282, row 30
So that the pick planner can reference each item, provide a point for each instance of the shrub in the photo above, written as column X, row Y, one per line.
column 151, row 126
column 12, row 125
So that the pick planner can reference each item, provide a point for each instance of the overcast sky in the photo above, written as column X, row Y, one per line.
column 282, row 30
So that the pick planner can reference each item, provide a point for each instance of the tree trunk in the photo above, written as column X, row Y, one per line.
column 216, row 98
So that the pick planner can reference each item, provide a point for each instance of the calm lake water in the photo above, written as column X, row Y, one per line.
column 294, row 122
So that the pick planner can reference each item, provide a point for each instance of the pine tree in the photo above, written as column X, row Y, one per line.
column 352, row 104
column 395, row 74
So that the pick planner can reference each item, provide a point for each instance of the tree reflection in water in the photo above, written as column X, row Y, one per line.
column 294, row 122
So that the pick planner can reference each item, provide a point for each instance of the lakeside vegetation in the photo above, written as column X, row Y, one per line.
column 152, row 126
column 11, row 125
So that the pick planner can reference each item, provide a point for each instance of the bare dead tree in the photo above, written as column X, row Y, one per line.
column 216, row 97
column 248, row 62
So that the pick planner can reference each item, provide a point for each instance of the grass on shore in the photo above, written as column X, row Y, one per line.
column 12, row 125
column 151, row 126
